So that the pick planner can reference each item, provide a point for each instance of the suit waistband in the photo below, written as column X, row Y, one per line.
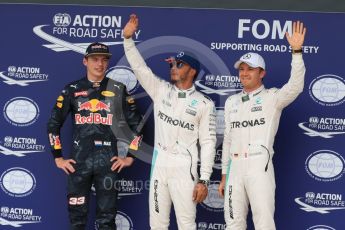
column 245, row 155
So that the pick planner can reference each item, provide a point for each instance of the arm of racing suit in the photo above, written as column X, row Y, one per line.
column 57, row 118
column 149, row 81
column 226, row 141
column 133, row 119
column 207, row 139
column 289, row 92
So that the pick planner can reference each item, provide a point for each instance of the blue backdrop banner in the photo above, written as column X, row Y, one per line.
column 42, row 47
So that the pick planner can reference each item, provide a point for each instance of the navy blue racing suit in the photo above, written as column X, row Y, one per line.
column 102, row 113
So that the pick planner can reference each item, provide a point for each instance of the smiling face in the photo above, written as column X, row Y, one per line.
column 96, row 65
column 251, row 78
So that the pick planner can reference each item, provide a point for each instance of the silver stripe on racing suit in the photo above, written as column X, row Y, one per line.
column 180, row 123
column 251, row 123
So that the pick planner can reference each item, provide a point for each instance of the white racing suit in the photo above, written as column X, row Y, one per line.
column 182, row 118
column 251, row 123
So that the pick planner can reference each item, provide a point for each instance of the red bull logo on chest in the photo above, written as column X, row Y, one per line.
column 94, row 105
column 93, row 118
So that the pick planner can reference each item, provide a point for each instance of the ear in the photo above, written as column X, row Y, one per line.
column 262, row 73
column 192, row 72
column 85, row 61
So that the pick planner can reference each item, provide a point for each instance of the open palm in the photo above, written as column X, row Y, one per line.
column 131, row 26
column 296, row 40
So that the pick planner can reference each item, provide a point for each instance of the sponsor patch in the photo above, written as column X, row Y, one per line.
column 135, row 143
column 94, row 105
column 256, row 108
column 181, row 95
column 231, row 212
column 98, row 143
column 102, row 143
column 54, row 141
column 247, row 123
column 96, row 84
column 60, row 98
column 81, row 93
column 155, row 195
column 106, row 143
column 194, row 103
column 176, row 122
column 108, row 93
column 167, row 103
column 191, row 112
column 93, row 118
column 258, row 100
column 59, row 105
column 130, row 100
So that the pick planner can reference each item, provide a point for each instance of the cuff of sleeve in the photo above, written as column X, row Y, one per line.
column 224, row 171
column 57, row 153
column 297, row 57
column 130, row 155
column 128, row 42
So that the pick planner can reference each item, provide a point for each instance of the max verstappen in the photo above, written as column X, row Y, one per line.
column 102, row 112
